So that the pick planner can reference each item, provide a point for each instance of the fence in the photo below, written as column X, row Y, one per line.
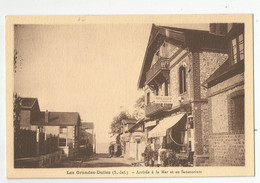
column 27, row 144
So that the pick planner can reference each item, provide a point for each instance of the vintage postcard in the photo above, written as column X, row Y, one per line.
column 129, row 96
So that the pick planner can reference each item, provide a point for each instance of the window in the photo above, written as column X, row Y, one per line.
column 62, row 142
column 156, row 90
column 182, row 79
column 63, row 129
column 166, row 89
column 41, row 130
column 236, row 123
column 148, row 98
column 237, row 49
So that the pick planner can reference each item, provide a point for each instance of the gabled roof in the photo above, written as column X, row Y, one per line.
column 129, row 121
column 183, row 38
column 87, row 125
column 58, row 119
column 28, row 103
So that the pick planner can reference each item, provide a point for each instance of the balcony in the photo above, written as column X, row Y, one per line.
column 160, row 70
column 155, row 108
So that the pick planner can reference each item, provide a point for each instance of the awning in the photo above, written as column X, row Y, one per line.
column 160, row 129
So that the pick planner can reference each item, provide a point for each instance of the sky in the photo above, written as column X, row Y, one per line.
column 91, row 69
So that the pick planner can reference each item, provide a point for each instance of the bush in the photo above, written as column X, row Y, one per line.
column 150, row 156
column 169, row 159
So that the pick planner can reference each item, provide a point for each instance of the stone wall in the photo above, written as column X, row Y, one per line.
column 205, row 127
column 227, row 150
column 39, row 162
column 219, row 102
column 209, row 63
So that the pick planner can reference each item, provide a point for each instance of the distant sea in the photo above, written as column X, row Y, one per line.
column 102, row 147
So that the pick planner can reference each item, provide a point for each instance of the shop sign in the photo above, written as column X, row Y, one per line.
column 163, row 99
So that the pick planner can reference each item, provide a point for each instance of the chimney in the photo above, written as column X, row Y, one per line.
column 46, row 116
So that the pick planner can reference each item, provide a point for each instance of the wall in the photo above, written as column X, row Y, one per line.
column 226, row 148
column 203, row 65
column 167, row 50
column 43, row 161
column 174, row 82
column 25, row 119
column 54, row 130
column 219, row 103
column 209, row 63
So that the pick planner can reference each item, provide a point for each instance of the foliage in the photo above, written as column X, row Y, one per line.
column 163, row 157
column 15, row 60
column 149, row 155
column 16, row 123
column 18, row 60
column 139, row 108
column 172, row 160
column 115, row 126
column 169, row 159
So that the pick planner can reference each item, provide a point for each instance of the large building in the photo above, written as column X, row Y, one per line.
column 185, row 77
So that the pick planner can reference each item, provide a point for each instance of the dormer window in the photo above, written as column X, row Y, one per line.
column 237, row 49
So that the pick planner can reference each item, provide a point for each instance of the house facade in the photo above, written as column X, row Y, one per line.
column 88, row 137
column 125, row 137
column 65, row 125
column 137, row 140
column 182, row 105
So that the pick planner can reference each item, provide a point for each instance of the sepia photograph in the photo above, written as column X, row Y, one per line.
column 93, row 96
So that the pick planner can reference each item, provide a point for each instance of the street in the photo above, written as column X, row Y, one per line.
column 97, row 160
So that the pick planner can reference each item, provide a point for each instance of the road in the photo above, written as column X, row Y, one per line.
column 97, row 160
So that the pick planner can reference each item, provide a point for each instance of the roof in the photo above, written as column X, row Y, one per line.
column 87, row 125
column 225, row 71
column 136, row 124
column 129, row 121
column 195, row 39
column 85, row 134
column 28, row 102
column 58, row 119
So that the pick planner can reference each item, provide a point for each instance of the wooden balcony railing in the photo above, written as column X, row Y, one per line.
column 161, row 64
column 155, row 108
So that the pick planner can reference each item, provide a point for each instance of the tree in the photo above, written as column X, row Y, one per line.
column 16, row 123
column 18, row 61
column 115, row 126
column 139, row 108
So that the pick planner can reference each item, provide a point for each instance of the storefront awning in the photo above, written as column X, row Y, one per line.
column 160, row 129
